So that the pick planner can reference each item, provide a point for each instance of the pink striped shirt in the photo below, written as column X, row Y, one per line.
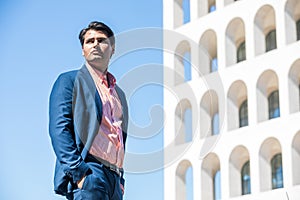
column 108, row 143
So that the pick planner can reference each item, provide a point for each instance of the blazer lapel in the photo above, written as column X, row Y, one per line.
column 92, row 87
column 90, row 120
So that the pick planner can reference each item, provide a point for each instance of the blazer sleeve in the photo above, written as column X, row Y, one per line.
column 61, row 128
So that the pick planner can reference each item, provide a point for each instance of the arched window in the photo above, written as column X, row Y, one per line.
column 294, row 86
column 187, row 66
column 186, row 11
column 189, row 183
column 208, row 58
column 184, row 180
column 214, row 65
column 274, row 109
column 298, row 29
column 182, row 62
column 277, row 177
column 241, row 52
column 292, row 21
column 237, row 110
column 271, row 40
column 239, row 171
column 243, row 114
column 235, row 41
column 211, row 5
column 215, row 124
column 210, row 177
column 296, row 159
column 264, row 30
column 267, row 96
column 246, row 181
column 209, row 114
column 183, row 122
column 181, row 12
column 270, row 165
column 217, row 186
column 188, row 125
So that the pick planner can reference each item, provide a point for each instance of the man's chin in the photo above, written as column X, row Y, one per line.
column 97, row 56
column 97, row 59
column 98, row 64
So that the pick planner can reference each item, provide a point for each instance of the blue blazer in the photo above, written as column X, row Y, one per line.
column 75, row 112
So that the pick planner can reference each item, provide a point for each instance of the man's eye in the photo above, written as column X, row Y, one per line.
column 90, row 41
column 103, row 41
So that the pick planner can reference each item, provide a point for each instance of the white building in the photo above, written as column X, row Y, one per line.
column 232, row 111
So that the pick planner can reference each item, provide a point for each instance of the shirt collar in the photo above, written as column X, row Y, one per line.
column 103, row 76
column 111, row 79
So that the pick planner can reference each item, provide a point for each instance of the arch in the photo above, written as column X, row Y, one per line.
column 235, row 37
column 184, row 172
column 292, row 21
column 237, row 160
column 237, row 96
column 183, row 122
column 269, row 148
column 181, row 12
column 296, row 158
column 209, row 107
column 209, row 169
column 266, row 85
column 264, row 23
column 208, row 52
column 294, row 87
column 182, row 53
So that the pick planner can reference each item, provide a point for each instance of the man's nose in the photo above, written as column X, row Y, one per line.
column 96, row 43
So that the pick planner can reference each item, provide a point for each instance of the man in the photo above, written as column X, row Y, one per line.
column 88, row 119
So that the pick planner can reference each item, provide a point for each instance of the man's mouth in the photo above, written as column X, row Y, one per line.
column 96, row 52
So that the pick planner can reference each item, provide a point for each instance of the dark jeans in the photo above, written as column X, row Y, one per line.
column 101, row 184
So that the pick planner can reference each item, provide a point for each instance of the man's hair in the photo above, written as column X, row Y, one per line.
column 97, row 26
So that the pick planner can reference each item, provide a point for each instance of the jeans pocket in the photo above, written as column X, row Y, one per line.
column 88, row 183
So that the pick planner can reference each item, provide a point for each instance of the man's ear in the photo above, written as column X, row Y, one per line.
column 113, row 50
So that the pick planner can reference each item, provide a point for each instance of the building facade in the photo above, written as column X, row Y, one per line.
column 231, row 99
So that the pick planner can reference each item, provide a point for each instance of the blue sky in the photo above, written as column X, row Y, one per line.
column 39, row 40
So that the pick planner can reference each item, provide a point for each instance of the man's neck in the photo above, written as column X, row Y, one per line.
column 98, row 71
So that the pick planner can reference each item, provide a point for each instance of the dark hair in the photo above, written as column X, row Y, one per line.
column 97, row 26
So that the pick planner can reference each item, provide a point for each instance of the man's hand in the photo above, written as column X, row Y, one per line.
column 80, row 182
column 122, row 188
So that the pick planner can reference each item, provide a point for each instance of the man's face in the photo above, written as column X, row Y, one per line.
column 97, row 49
